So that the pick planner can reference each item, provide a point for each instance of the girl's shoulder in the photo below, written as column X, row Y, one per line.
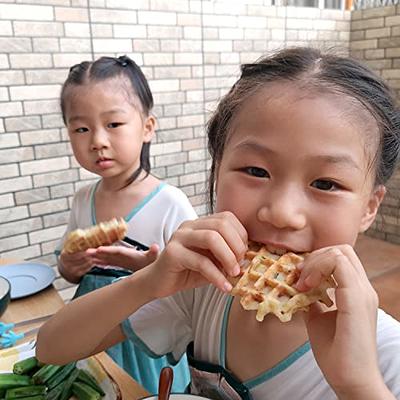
column 85, row 192
column 388, row 336
column 388, row 344
column 387, row 324
column 169, row 194
column 171, row 191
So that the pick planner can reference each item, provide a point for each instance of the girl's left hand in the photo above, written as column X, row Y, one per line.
column 124, row 257
column 343, row 340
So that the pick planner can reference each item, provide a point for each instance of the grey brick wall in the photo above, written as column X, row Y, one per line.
column 375, row 39
column 190, row 51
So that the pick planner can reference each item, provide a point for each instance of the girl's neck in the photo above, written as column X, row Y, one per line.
column 254, row 347
column 112, row 201
column 120, row 185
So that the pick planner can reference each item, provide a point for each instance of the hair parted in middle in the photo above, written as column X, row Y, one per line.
column 107, row 68
column 322, row 73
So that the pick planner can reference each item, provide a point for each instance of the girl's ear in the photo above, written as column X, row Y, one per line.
column 149, row 127
column 373, row 204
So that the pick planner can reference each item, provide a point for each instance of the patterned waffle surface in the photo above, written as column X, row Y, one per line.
column 103, row 234
column 267, row 284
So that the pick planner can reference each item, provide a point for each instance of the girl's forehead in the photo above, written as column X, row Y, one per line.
column 116, row 85
column 104, row 92
column 281, row 103
column 280, row 117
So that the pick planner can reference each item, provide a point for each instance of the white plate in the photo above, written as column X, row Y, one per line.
column 27, row 278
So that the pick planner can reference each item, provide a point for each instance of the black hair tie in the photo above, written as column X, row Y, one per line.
column 123, row 61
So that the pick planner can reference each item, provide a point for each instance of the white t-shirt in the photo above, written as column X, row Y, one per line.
column 153, row 220
column 167, row 326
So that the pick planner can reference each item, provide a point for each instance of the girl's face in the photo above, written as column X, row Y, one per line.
column 296, row 170
column 107, row 128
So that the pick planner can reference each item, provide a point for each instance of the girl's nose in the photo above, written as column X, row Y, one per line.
column 99, row 140
column 283, row 211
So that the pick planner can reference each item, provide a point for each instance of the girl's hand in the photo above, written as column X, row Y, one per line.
column 124, row 256
column 74, row 266
column 202, row 251
column 343, row 340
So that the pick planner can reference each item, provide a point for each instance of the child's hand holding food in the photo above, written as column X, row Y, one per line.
column 202, row 251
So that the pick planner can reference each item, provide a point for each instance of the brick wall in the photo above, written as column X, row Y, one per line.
column 190, row 51
column 375, row 39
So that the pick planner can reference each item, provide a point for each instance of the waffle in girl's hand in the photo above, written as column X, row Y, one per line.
column 267, row 284
column 103, row 234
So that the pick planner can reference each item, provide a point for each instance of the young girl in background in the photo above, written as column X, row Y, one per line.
column 301, row 147
column 106, row 106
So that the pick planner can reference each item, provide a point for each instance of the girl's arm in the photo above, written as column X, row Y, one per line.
column 344, row 340
column 90, row 323
column 202, row 251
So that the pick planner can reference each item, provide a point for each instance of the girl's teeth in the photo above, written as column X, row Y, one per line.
column 276, row 250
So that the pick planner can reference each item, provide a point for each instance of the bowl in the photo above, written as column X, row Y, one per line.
column 5, row 294
column 178, row 397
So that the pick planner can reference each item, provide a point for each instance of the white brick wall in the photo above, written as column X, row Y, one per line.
column 375, row 39
column 190, row 51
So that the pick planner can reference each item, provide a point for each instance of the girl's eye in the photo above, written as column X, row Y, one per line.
column 114, row 125
column 81, row 130
column 257, row 172
column 322, row 184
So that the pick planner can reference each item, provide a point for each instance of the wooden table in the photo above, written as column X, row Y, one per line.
column 48, row 302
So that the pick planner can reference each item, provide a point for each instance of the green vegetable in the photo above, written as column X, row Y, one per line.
column 84, row 392
column 48, row 382
column 38, row 397
column 45, row 373
column 67, row 391
column 90, row 380
column 9, row 380
column 55, row 393
column 60, row 375
column 25, row 366
column 26, row 391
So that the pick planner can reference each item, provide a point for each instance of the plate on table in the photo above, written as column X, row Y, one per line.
column 27, row 278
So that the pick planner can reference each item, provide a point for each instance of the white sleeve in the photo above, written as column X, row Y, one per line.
column 180, row 211
column 163, row 327
column 388, row 336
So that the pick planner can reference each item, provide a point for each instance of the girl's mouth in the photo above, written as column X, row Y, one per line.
column 276, row 250
column 279, row 249
column 103, row 162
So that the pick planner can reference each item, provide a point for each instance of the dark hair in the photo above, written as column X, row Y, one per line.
column 110, row 67
column 324, row 72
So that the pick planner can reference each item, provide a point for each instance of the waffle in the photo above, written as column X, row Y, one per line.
column 103, row 234
column 266, row 284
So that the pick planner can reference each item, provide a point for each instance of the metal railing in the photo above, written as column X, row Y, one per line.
column 363, row 4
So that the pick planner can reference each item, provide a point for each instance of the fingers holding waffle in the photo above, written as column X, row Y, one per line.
column 267, row 284
column 103, row 234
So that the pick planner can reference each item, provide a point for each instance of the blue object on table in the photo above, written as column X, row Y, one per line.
column 4, row 327
column 8, row 339
column 27, row 278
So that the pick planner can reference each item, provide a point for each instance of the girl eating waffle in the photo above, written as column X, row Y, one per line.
column 107, row 106
column 301, row 147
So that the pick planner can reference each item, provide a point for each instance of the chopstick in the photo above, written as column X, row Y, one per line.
column 138, row 245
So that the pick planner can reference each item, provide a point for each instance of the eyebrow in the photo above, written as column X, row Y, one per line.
column 328, row 158
column 109, row 112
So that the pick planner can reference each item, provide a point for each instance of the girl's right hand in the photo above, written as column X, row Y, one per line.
column 74, row 266
column 202, row 251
